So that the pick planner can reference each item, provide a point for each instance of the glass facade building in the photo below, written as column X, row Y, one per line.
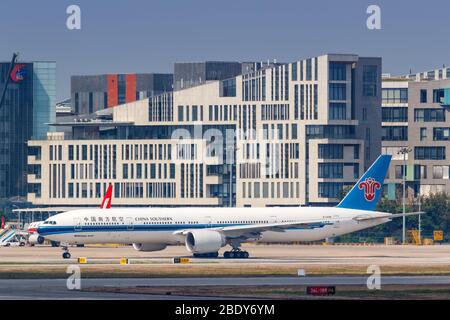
column 29, row 105
column 44, row 97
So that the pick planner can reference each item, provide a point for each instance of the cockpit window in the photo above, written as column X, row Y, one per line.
column 50, row 222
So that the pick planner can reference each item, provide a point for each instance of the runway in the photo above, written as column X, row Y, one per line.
column 57, row 289
column 25, row 272
column 260, row 254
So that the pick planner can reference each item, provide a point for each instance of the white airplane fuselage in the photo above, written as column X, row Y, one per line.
column 160, row 225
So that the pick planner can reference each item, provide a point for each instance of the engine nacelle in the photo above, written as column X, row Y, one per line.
column 204, row 241
column 149, row 246
column 36, row 239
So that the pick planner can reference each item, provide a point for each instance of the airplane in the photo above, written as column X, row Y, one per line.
column 32, row 234
column 204, row 231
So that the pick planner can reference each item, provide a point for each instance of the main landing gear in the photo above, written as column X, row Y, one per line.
column 66, row 253
column 236, row 253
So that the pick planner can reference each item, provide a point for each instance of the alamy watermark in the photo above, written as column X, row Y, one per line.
column 73, row 21
column 74, row 280
column 374, row 20
column 374, row 280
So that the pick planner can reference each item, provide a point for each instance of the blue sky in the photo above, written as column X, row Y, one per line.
column 150, row 35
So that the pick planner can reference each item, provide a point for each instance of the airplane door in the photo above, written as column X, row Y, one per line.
column 130, row 224
column 208, row 222
column 77, row 224
column 272, row 219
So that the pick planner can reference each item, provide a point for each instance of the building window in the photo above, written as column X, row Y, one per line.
column 125, row 171
column 330, row 189
column 105, row 100
column 294, row 131
column 423, row 134
column 330, row 131
column 337, row 111
column 429, row 153
column 420, row 172
column 229, row 88
column 394, row 114
column 438, row 95
column 70, row 194
column 338, row 71
column 308, row 70
column 316, row 68
column 337, row 91
column 194, row 113
column 331, row 151
column 84, row 155
column 441, row 134
column 331, row 170
column 441, row 172
column 356, row 152
column 423, row 96
column 400, row 171
column 429, row 115
column 180, row 113
column 370, row 79
column 77, row 103
column 91, row 102
column 294, row 71
column 394, row 95
column 394, row 133
column 70, row 151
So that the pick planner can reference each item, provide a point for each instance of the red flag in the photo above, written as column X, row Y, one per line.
column 3, row 222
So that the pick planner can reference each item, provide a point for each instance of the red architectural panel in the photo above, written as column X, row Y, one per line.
column 113, row 90
column 130, row 91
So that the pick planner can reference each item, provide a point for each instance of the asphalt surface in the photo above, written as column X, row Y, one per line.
column 261, row 254
column 57, row 289
column 298, row 255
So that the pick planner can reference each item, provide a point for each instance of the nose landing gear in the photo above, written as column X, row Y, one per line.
column 66, row 253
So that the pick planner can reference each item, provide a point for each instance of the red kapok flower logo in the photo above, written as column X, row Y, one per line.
column 370, row 186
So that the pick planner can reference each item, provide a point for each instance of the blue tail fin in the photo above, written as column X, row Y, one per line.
column 367, row 191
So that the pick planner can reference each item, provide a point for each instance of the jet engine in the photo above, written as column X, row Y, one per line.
column 149, row 246
column 35, row 239
column 204, row 241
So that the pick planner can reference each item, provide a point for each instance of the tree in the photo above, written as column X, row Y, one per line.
column 436, row 217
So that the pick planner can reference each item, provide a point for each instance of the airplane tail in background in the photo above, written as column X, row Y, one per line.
column 367, row 191
column 106, row 203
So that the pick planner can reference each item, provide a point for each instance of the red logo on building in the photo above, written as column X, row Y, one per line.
column 370, row 186
column 18, row 73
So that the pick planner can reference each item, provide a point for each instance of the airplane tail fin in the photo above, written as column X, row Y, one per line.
column 106, row 203
column 367, row 191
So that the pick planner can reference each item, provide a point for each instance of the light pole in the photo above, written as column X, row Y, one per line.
column 404, row 151
column 420, row 219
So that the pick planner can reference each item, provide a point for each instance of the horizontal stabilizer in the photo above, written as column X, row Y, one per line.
column 387, row 215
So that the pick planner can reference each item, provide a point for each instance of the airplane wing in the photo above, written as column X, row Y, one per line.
column 386, row 215
column 256, row 229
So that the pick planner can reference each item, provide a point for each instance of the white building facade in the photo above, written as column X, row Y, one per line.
column 281, row 135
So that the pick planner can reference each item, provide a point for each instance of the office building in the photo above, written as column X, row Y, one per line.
column 415, row 115
column 28, row 107
column 97, row 92
column 286, row 134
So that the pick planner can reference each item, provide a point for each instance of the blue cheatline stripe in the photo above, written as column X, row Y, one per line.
column 49, row 230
